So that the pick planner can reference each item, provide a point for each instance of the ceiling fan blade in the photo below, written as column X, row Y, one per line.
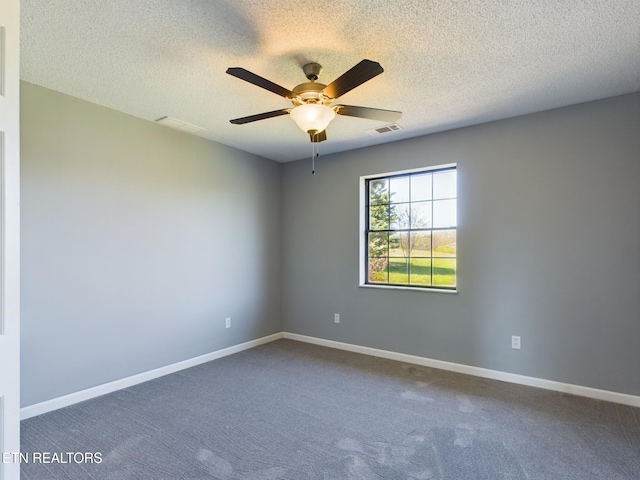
column 319, row 137
column 259, row 116
column 357, row 75
column 388, row 116
column 259, row 81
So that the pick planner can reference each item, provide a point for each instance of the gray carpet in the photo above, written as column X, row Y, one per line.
column 289, row 410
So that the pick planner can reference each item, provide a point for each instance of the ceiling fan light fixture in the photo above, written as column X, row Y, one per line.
column 311, row 100
column 312, row 117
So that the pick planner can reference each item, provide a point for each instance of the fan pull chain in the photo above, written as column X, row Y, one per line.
column 315, row 152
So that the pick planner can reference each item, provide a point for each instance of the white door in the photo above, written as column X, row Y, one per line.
column 9, row 238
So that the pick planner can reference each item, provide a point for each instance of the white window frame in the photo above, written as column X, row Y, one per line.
column 363, row 231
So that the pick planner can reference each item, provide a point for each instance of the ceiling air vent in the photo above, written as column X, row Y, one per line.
column 179, row 125
column 392, row 127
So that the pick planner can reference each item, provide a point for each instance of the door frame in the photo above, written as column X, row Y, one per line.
column 9, row 238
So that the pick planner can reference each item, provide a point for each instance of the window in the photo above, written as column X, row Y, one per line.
column 410, row 229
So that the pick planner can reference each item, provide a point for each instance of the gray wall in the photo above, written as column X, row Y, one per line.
column 137, row 242
column 548, row 248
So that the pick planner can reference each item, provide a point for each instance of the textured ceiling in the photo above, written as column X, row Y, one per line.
column 448, row 63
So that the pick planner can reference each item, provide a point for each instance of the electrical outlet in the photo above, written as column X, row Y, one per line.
column 227, row 322
column 336, row 318
column 515, row 342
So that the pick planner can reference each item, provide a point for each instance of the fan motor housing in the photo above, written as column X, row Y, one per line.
column 310, row 92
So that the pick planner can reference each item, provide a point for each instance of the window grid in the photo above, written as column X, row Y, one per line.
column 434, row 261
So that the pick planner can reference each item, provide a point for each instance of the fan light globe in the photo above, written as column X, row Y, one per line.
column 312, row 117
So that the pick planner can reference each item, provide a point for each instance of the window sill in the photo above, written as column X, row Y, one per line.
column 413, row 289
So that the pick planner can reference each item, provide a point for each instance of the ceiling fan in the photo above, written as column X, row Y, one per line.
column 313, row 106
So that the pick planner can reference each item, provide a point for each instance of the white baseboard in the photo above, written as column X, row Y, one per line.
column 622, row 398
column 66, row 400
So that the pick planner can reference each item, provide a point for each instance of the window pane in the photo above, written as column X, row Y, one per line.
column 378, row 191
column 420, row 244
column 421, row 215
column 399, row 189
column 421, row 187
column 444, row 184
column 398, row 270
column 400, row 214
column 379, row 244
column 379, row 270
column 444, row 213
column 444, row 272
column 420, row 271
column 379, row 217
column 399, row 244
column 444, row 243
